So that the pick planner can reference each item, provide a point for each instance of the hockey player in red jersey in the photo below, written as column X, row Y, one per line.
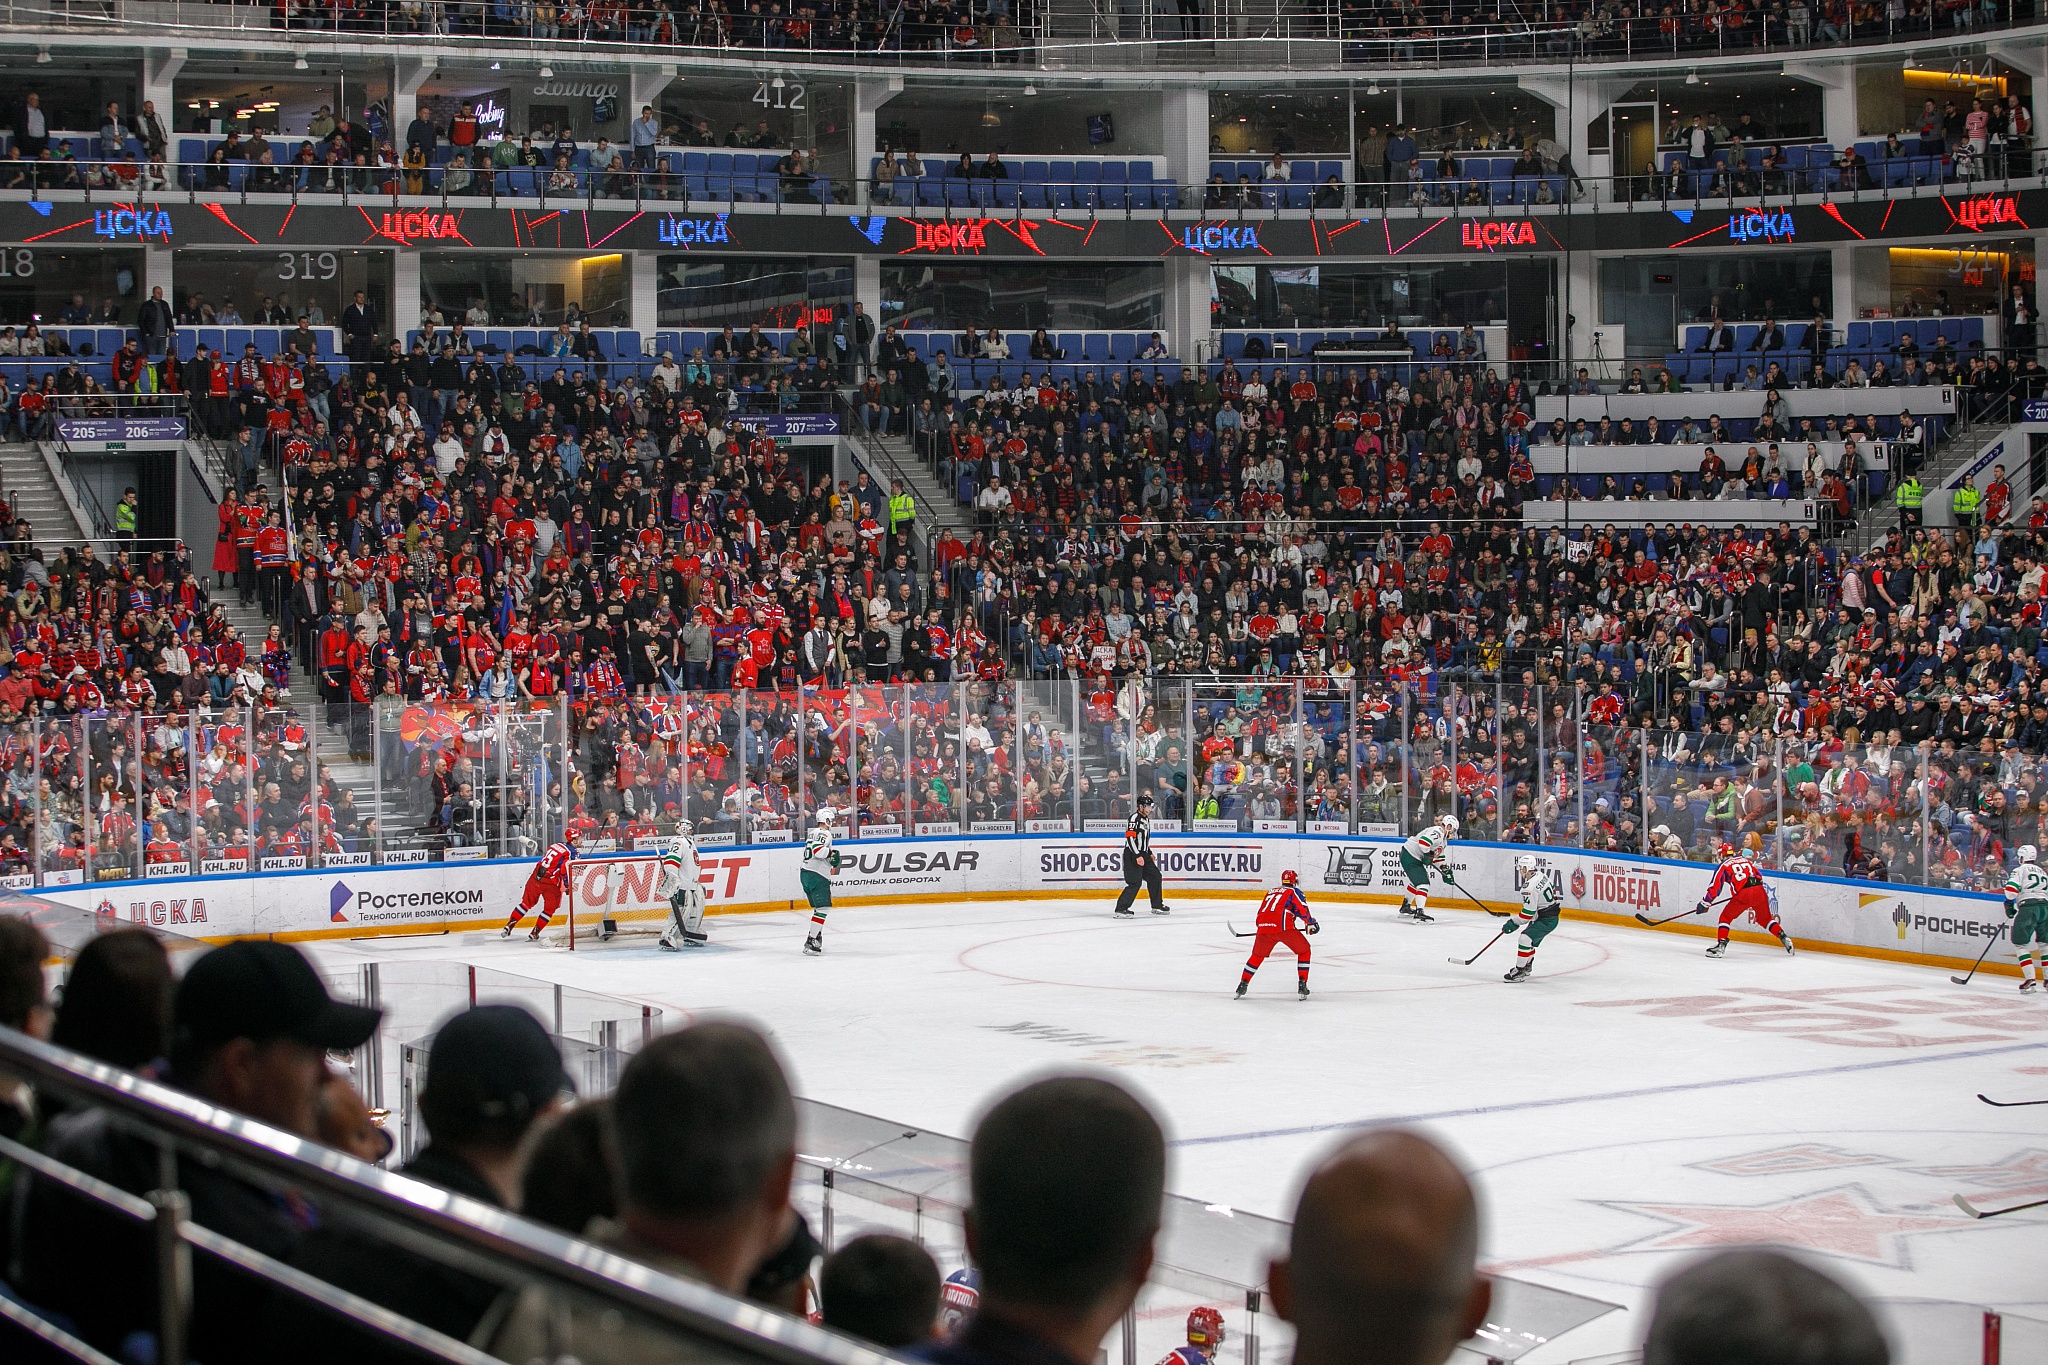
column 1739, row 879
column 1279, row 915
column 1205, row 1337
column 544, row 887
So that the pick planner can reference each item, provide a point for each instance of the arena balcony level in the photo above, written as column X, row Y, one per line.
column 108, row 203
column 1136, row 39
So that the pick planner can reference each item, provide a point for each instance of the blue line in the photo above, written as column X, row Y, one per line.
column 1645, row 1092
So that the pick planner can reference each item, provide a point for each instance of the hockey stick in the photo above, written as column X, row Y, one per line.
column 1497, row 914
column 1653, row 923
column 1967, row 1207
column 1234, row 933
column 1964, row 979
column 1468, row 961
column 2009, row 1104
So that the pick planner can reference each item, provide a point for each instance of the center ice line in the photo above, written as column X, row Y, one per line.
column 1600, row 1098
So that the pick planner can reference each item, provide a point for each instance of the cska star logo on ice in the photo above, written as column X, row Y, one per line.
column 105, row 910
column 1578, row 883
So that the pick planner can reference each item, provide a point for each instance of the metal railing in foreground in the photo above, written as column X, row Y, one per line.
column 425, row 1219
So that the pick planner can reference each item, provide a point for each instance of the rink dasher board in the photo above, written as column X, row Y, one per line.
column 1870, row 919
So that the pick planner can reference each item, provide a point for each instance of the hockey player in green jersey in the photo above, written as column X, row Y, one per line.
column 1427, row 848
column 1542, row 902
column 2026, row 905
column 821, row 863
column 684, row 892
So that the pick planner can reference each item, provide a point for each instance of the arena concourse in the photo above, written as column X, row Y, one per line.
column 1376, row 667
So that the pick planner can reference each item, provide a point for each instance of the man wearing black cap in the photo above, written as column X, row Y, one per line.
column 251, row 1027
column 1141, row 865
column 493, row 1074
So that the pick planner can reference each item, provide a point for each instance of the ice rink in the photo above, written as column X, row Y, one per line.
column 1634, row 1102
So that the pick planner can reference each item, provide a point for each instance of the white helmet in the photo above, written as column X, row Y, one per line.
column 826, row 815
column 685, row 828
column 1526, row 864
column 1449, row 823
column 2027, row 853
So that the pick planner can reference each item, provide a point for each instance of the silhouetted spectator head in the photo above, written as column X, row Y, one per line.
column 1067, row 1177
column 784, row 1279
column 251, row 1026
column 23, row 1003
column 570, row 1176
column 117, row 1000
column 1381, row 1266
column 1760, row 1307
column 492, row 1071
column 704, row 1129
column 882, row 1289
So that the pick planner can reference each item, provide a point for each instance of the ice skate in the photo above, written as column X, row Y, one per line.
column 691, row 940
column 1124, row 912
column 2029, row 986
column 815, row 945
column 1786, row 939
column 668, row 947
column 1162, row 909
column 1244, row 986
column 506, row 932
column 1718, row 950
column 1521, row 971
column 1301, row 991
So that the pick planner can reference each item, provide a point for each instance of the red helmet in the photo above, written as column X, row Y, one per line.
column 1205, row 1328
column 1724, row 850
column 1287, row 878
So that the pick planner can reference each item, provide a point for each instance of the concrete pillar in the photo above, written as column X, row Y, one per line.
column 1187, row 308
column 1579, row 299
column 160, row 68
column 643, row 291
column 1837, row 98
column 1184, row 115
column 644, row 87
column 867, row 287
column 408, row 74
column 869, row 95
column 405, row 289
column 156, row 269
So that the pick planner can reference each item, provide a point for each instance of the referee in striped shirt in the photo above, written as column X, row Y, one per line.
column 1141, row 865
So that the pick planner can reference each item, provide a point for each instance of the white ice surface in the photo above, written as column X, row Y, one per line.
column 1632, row 1103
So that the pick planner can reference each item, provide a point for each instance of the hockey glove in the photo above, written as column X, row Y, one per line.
column 1512, row 925
column 1700, row 909
column 2012, row 910
column 1314, row 928
column 1450, row 879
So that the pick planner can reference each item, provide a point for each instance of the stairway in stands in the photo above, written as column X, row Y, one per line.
column 937, row 508
column 330, row 742
column 32, row 491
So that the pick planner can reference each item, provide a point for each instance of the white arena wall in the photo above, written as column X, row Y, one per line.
column 1867, row 919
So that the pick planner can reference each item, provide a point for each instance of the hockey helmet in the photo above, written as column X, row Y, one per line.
column 685, row 828
column 959, row 1296
column 1288, row 878
column 827, row 814
column 2027, row 853
column 1526, row 864
column 1449, row 823
column 1205, row 1328
column 1724, row 850
column 1144, row 798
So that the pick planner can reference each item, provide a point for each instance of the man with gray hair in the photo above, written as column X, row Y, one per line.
column 1760, row 1307
column 704, row 1130
column 1382, row 1265
column 1067, row 1177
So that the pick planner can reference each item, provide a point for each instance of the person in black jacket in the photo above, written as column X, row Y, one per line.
column 153, row 320
column 493, row 1076
column 251, row 1027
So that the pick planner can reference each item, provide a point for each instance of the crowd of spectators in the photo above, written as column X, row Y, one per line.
column 688, row 1169
column 1188, row 550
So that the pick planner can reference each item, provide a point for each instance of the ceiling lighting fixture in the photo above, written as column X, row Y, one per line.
column 547, row 73
column 494, row 66
column 1692, row 78
column 1029, row 89
column 775, row 84
column 42, row 56
column 299, row 62
column 1372, row 88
